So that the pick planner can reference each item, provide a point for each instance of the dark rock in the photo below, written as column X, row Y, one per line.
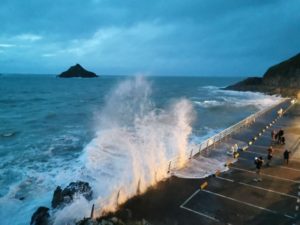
column 77, row 71
column 40, row 216
column 57, row 197
column 124, row 214
column 247, row 84
column 283, row 79
column 285, row 74
column 65, row 196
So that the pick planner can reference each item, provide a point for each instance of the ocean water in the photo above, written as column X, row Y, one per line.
column 114, row 132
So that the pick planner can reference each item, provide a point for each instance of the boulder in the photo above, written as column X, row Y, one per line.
column 65, row 196
column 40, row 216
column 77, row 71
column 57, row 197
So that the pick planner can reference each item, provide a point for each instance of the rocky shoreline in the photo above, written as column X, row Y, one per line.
column 63, row 197
column 282, row 79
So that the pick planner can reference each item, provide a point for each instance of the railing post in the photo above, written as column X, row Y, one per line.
column 200, row 147
column 191, row 155
column 92, row 211
column 138, row 190
column 118, row 196
column 169, row 167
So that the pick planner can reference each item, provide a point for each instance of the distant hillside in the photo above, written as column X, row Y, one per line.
column 77, row 71
column 282, row 78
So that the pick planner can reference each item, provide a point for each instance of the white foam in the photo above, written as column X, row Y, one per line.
column 133, row 144
column 222, row 98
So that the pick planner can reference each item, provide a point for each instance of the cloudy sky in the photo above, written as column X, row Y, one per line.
column 153, row 37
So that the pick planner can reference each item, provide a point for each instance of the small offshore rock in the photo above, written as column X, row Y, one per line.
column 40, row 216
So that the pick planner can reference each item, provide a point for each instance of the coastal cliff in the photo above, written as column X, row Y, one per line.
column 77, row 71
column 282, row 78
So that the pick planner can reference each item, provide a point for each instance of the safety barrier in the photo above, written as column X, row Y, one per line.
column 217, row 138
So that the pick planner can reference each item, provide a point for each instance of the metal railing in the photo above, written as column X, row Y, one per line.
column 212, row 141
column 175, row 162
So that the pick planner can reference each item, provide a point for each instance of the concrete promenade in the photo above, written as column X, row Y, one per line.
column 234, row 197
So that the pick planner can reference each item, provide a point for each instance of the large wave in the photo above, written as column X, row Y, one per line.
column 133, row 145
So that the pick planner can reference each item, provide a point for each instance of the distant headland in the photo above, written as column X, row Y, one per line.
column 282, row 78
column 77, row 71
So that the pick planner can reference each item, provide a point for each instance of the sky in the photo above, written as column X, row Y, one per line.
column 151, row 37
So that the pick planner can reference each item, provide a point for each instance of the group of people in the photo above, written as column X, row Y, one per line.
column 259, row 160
column 278, row 136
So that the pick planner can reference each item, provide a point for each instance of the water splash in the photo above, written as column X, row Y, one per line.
column 134, row 143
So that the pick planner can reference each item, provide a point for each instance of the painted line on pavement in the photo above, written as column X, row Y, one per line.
column 223, row 178
column 199, row 213
column 186, row 201
column 196, row 212
column 246, row 203
column 260, row 188
column 264, row 174
column 265, row 147
column 283, row 167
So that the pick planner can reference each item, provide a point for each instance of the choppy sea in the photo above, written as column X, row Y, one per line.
column 112, row 132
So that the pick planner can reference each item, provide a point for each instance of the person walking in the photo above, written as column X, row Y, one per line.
column 280, row 135
column 258, row 162
column 270, row 155
column 286, row 156
column 273, row 133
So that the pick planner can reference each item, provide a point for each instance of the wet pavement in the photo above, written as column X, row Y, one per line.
column 235, row 196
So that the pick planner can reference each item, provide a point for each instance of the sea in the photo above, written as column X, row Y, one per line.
column 114, row 132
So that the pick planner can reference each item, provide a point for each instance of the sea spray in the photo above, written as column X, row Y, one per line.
column 134, row 143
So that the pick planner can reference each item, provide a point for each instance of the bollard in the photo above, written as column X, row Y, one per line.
column 245, row 148
column 228, row 163
column 92, row 211
column 236, row 155
column 203, row 185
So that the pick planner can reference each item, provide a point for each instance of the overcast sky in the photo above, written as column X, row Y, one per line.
column 152, row 37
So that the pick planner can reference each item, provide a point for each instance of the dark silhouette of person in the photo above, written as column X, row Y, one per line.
column 258, row 162
column 286, row 156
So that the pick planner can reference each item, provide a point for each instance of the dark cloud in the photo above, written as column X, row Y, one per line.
column 221, row 37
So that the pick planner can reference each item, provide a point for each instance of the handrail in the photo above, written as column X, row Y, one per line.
column 173, row 164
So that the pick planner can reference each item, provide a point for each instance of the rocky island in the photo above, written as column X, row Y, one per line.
column 77, row 71
column 282, row 78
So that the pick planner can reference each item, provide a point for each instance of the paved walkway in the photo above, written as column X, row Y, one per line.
column 233, row 197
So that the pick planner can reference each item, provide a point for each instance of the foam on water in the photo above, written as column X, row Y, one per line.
column 235, row 99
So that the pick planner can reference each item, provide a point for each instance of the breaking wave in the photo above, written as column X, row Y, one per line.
column 133, row 145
